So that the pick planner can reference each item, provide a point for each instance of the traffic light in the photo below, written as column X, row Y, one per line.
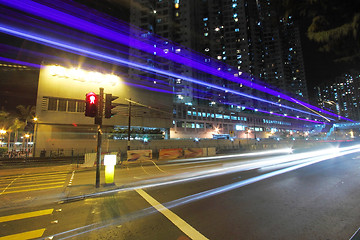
column 91, row 104
column 109, row 105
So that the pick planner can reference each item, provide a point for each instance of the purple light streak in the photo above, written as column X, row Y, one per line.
column 77, row 23
column 73, row 48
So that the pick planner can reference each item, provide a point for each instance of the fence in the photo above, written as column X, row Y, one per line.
column 121, row 146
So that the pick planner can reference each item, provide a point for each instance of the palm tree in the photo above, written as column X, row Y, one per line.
column 5, row 123
column 16, row 126
column 333, row 24
column 4, row 116
column 26, row 114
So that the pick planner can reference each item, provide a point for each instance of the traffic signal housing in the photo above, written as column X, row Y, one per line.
column 91, row 107
column 109, row 105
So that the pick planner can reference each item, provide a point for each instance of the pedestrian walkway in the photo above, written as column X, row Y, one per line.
column 32, row 182
column 9, row 221
column 28, row 170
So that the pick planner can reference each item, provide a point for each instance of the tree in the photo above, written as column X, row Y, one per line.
column 333, row 24
column 26, row 114
column 17, row 126
column 5, row 123
column 4, row 119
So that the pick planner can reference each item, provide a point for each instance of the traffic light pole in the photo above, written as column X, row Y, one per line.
column 129, row 126
column 98, row 120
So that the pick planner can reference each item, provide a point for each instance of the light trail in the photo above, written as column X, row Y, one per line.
column 169, row 91
column 112, row 59
column 83, row 25
column 320, row 156
column 226, row 168
column 19, row 62
column 157, row 89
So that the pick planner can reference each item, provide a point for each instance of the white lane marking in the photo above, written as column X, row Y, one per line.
column 175, row 219
column 71, row 179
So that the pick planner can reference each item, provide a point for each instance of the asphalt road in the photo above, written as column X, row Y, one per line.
column 227, row 198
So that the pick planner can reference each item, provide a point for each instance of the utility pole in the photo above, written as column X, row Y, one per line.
column 129, row 125
column 98, row 121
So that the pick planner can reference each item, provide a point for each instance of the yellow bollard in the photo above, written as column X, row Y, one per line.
column 109, row 162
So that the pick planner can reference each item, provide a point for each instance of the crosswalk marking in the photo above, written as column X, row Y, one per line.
column 32, row 189
column 36, row 185
column 29, row 234
column 25, row 235
column 26, row 215
column 4, row 178
column 32, row 181
column 43, row 177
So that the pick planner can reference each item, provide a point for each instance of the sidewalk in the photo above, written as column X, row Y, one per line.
column 83, row 184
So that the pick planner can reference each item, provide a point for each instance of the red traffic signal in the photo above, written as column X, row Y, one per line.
column 91, row 104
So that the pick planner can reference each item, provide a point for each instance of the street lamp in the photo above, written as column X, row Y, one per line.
column 247, row 135
column 35, row 119
column 27, row 141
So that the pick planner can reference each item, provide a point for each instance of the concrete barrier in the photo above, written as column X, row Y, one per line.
column 136, row 156
column 172, row 153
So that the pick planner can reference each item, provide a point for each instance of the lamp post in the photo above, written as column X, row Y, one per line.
column 35, row 134
column 27, row 144
column 247, row 135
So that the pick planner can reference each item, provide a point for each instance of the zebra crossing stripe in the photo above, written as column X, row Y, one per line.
column 25, row 235
column 26, row 215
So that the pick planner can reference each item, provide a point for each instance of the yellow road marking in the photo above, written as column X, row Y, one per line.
column 35, row 185
column 9, row 184
column 33, row 189
column 45, row 177
column 26, row 179
column 175, row 219
column 47, row 173
column 25, row 235
column 40, row 180
column 26, row 215
column 35, row 174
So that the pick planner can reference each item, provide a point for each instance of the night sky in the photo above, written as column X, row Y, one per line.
column 321, row 68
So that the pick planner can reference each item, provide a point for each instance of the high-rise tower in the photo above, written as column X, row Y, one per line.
column 243, row 34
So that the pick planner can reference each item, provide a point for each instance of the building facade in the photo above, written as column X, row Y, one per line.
column 234, row 36
column 60, row 108
column 342, row 97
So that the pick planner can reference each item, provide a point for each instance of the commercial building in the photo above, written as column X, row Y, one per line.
column 60, row 108
column 208, row 122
